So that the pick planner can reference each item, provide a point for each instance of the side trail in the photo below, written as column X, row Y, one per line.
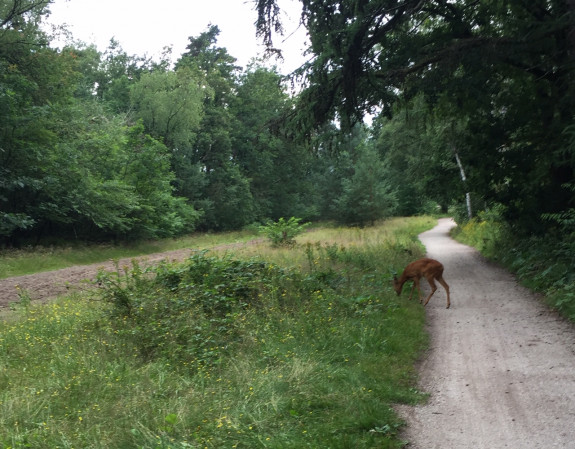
column 50, row 284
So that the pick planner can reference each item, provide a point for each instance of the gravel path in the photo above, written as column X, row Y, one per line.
column 500, row 368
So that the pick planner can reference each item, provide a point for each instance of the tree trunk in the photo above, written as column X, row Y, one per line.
column 464, row 179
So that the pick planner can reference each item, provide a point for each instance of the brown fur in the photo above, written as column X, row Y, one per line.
column 431, row 269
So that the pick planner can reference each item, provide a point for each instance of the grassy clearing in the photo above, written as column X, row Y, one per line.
column 234, row 351
column 34, row 260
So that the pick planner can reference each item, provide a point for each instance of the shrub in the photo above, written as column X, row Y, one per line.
column 543, row 263
column 282, row 232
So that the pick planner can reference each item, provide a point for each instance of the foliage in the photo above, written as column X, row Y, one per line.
column 543, row 263
column 219, row 352
column 415, row 146
column 278, row 168
column 170, row 104
column 203, row 301
column 283, row 232
column 367, row 195
column 108, row 146
column 495, row 101
column 69, row 167
column 225, row 194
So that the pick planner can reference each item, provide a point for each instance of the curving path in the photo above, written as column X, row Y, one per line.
column 500, row 369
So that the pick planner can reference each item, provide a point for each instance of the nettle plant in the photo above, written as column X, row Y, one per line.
column 283, row 232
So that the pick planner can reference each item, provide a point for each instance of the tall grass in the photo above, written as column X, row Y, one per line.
column 36, row 259
column 545, row 264
column 230, row 351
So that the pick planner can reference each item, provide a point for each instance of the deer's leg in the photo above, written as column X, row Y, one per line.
column 412, row 288
column 433, row 288
column 446, row 287
column 416, row 284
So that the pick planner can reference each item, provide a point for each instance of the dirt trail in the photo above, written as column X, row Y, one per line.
column 501, row 366
column 50, row 284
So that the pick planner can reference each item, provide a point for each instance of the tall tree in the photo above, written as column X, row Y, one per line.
column 33, row 80
column 225, row 197
column 18, row 14
column 367, row 195
column 278, row 167
column 171, row 105
column 506, row 66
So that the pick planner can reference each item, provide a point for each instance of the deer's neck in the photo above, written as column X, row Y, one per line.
column 402, row 280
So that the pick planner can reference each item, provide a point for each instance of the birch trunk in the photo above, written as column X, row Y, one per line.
column 464, row 179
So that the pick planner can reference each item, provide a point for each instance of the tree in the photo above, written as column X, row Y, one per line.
column 506, row 67
column 68, row 166
column 34, row 80
column 171, row 105
column 225, row 197
column 367, row 195
column 278, row 167
column 417, row 146
column 16, row 14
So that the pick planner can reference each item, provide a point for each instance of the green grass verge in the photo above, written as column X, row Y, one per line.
column 233, row 352
column 545, row 264
column 34, row 260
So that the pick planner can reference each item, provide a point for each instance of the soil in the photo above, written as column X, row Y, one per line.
column 500, row 369
column 51, row 284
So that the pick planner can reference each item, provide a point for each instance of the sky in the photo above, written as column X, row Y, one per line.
column 145, row 27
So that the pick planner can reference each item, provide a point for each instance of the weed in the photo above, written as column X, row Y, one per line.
column 283, row 232
column 229, row 351
column 24, row 299
column 542, row 263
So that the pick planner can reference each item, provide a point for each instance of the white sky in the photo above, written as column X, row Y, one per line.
column 145, row 27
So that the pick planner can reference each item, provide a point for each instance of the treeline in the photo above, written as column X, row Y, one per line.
column 112, row 146
column 478, row 97
column 471, row 104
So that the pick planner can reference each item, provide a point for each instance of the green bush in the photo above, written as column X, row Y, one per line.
column 283, row 232
column 221, row 352
column 543, row 263
column 187, row 313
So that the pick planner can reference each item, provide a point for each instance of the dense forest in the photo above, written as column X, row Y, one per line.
column 471, row 105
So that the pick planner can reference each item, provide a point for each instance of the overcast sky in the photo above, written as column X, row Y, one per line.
column 147, row 26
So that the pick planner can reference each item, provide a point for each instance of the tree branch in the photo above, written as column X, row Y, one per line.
column 21, row 7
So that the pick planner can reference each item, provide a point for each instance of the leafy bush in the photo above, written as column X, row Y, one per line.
column 222, row 352
column 486, row 232
column 282, row 232
column 190, row 314
column 10, row 222
column 543, row 263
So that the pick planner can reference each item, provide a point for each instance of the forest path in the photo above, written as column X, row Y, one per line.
column 500, row 368
column 50, row 284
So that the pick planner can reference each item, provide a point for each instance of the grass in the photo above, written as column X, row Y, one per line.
column 545, row 264
column 224, row 351
column 37, row 259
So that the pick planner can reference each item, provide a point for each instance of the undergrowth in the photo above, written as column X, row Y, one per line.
column 220, row 352
column 33, row 259
column 545, row 264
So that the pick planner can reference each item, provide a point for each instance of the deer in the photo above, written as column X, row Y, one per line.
column 431, row 269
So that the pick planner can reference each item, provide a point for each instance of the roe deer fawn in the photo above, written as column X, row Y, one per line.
column 430, row 269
